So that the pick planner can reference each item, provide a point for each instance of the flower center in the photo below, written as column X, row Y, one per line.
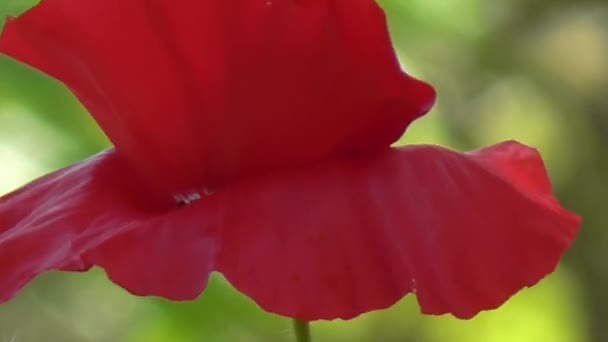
column 184, row 200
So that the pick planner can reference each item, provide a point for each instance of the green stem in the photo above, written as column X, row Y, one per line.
column 302, row 331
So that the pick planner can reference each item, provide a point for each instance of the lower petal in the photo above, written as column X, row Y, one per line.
column 463, row 231
column 170, row 256
column 99, row 212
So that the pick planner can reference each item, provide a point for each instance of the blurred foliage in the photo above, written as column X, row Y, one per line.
column 534, row 71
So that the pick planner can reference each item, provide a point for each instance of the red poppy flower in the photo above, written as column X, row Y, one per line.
column 252, row 137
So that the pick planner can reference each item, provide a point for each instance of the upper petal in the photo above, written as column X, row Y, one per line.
column 100, row 212
column 201, row 92
column 463, row 231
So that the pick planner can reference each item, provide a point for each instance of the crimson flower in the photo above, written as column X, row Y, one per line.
column 252, row 138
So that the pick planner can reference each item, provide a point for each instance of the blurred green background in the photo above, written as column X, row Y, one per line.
column 535, row 71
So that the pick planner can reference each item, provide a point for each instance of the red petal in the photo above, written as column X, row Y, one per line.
column 200, row 92
column 100, row 212
column 170, row 256
column 464, row 232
